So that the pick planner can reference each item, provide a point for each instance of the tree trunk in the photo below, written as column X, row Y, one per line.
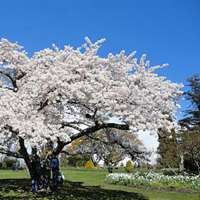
column 60, row 146
column 181, row 166
column 26, row 157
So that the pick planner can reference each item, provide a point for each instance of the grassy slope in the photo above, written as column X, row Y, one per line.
column 96, row 178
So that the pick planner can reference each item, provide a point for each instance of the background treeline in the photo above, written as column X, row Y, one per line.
column 181, row 149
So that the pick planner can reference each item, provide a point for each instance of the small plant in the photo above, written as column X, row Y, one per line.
column 129, row 166
column 89, row 164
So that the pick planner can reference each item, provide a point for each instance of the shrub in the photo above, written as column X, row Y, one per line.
column 89, row 164
column 72, row 160
column 170, row 171
column 77, row 160
column 9, row 162
column 80, row 163
column 129, row 166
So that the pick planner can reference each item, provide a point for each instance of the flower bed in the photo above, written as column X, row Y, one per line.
column 155, row 180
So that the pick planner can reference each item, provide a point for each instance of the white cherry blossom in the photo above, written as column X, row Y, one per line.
column 60, row 93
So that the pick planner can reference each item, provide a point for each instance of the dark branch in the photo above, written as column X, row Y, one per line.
column 20, row 75
column 88, row 131
column 60, row 146
column 43, row 104
column 71, row 125
column 79, row 103
column 10, row 153
column 13, row 81
column 98, row 127
column 10, row 128
column 45, row 100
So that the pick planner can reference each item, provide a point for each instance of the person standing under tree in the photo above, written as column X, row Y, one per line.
column 55, row 170
column 110, row 167
column 48, row 170
column 37, row 172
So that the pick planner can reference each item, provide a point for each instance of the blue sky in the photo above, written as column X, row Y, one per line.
column 167, row 31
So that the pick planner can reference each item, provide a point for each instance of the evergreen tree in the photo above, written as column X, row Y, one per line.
column 168, row 150
column 192, row 119
column 190, row 137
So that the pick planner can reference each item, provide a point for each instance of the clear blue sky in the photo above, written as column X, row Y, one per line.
column 168, row 31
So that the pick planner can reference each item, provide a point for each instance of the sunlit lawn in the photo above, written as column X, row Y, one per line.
column 82, row 184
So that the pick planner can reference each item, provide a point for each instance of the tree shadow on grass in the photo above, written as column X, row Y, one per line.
column 17, row 189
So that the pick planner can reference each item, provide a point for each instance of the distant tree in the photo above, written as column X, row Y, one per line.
column 191, row 149
column 112, row 146
column 190, row 134
column 192, row 119
column 168, row 150
column 75, row 160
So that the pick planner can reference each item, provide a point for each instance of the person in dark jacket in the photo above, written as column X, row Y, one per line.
column 55, row 170
column 36, row 170
column 110, row 167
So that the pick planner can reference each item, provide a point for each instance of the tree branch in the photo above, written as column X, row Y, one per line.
column 71, row 125
column 10, row 128
column 13, row 81
column 10, row 153
column 97, row 127
column 80, row 103
column 88, row 131
column 43, row 104
column 60, row 146
column 45, row 101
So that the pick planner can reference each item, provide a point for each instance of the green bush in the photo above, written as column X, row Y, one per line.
column 170, row 172
column 89, row 164
column 9, row 162
column 77, row 160
column 129, row 166
column 80, row 163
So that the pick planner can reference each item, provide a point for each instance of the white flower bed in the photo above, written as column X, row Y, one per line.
column 156, row 180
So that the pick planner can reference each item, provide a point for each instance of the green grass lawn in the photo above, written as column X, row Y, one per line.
column 82, row 184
